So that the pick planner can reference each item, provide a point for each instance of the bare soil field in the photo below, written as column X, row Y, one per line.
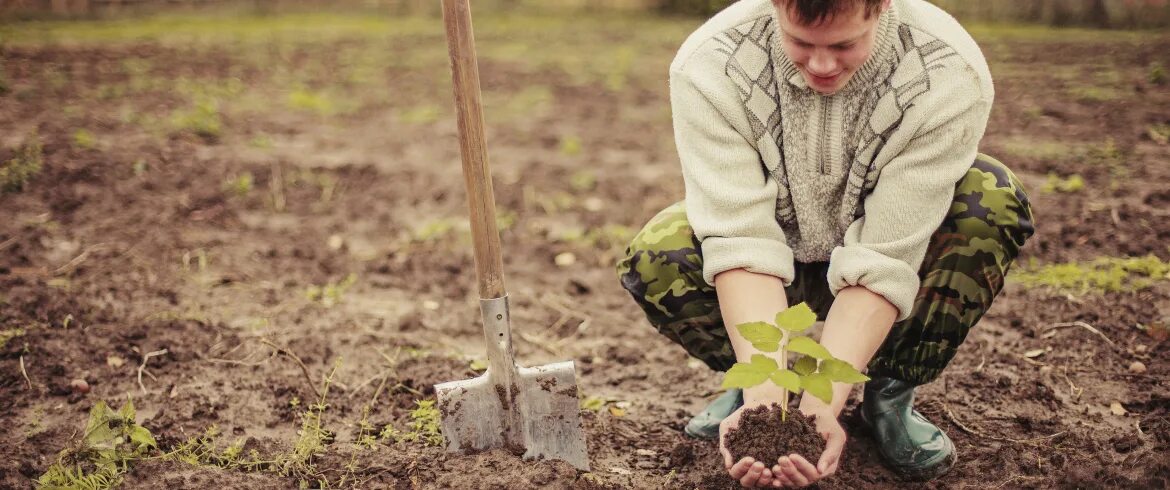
column 255, row 229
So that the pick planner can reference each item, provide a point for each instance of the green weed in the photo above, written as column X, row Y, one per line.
column 1159, row 133
column 331, row 293
column 1072, row 183
column 424, row 426
column 424, row 114
column 1107, row 274
column 434, row 230
column 111, row 442
column 583, row 181
column 1095, row 94
column 83, row 139
column 261, row 141
column 202, row 119
column 239, row 185
column 304, row 100
column 1157, row 74
column 22, row 167
column 9, row 334
column 570, row 146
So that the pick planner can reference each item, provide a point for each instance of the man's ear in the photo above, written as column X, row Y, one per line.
column 887, row 4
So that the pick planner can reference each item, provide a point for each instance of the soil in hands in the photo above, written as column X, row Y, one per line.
column 765, row 434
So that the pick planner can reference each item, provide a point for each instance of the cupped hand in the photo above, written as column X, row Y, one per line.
column 747, row 471
column 795, row 471
column 792, row 471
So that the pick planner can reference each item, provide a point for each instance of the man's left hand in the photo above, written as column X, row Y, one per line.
column 795, row 471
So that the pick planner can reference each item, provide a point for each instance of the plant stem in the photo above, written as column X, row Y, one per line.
column 784, row 365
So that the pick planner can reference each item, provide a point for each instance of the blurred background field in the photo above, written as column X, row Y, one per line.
column 1096, row 13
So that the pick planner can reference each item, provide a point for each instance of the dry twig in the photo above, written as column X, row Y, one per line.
column 291, row 355
column 142, row 367
column 8, row 243
column 25, row 373
column 1028, row 442
column 1086, row 326
column 77, row 261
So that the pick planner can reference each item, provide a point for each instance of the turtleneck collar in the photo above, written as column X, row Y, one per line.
column 879, row 64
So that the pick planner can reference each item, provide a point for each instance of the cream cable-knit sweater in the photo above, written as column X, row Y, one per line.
column 775, row 172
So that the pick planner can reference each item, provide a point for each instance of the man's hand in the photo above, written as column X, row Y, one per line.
column 795, row 471
column 747, row 471
column 792, row 471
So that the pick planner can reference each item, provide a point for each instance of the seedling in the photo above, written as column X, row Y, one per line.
column 815, row 372
column 1055, row 183
column 112, row 440
column 331, row 293
column 24, row 165
column 239, row 185
column 85, row 140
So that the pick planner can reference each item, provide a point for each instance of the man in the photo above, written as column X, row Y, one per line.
column 829, row 153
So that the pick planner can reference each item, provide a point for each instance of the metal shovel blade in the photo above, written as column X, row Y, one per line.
column 531, row 409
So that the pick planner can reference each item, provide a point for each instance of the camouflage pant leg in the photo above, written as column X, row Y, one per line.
column 663, row 271
column 964, row 269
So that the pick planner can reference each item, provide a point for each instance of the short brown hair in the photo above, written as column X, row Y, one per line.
column 813, row 12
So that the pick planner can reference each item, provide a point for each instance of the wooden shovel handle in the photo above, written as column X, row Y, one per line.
column 473, row 147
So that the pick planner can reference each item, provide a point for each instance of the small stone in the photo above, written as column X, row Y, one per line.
column 1117, row 409
column 79, row 386
column 336, row 242
column 1046, row 370
column 430, row 305
column 565, row 259
column 1136, row 367
column 1140, row 348
column 594, row 204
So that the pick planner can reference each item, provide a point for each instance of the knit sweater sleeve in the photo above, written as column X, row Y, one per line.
column 730, row 203
column 883, row 250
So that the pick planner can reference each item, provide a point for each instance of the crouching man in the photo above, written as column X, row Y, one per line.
column 829, row 150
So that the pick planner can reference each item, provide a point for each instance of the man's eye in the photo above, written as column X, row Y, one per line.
column 843, row 48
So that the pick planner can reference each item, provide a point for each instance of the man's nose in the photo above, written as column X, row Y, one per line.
column 822, row 64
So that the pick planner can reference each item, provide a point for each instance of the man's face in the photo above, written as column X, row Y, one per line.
column 830, row 52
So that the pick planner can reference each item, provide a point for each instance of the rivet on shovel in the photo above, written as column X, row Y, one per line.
column 534, row 409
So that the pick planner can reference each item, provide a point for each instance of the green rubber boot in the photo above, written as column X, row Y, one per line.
column 705, row 425
column 911, row 446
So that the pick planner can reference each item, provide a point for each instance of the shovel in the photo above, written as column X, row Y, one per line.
column 529, row 409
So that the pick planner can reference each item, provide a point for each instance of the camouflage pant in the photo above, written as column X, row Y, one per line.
column 963, row 271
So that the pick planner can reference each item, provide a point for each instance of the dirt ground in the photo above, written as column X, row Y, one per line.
column 277, row 199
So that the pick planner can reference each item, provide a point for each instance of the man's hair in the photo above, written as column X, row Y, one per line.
column 813, row 12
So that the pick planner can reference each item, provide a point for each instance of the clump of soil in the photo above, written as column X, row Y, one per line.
column 765, row 435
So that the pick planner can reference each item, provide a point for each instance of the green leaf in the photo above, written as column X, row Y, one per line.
column 805, row 366
column 763, row 336
column 127, row 411
column 142, row 437
column 747, row 375
column 797, row 318
column 808, row 347
column 786, row 379
column 98, row 433
column 819, row 386
column 842, row 371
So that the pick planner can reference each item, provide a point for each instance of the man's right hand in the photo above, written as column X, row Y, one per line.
column 747, row 471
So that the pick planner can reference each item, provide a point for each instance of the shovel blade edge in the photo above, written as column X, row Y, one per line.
column 550, row 412
column 472, row 418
